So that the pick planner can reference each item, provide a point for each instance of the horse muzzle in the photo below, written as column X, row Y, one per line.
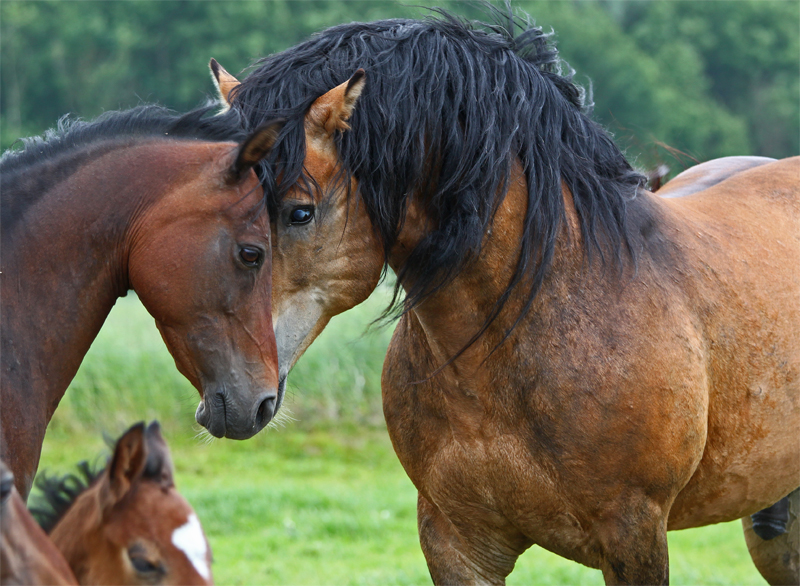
column 224, row 415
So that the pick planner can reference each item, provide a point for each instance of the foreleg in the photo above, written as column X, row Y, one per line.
column 451, row 560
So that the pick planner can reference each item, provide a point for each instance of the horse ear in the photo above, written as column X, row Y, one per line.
column 224, row 82
column 127, row 463
column 331, row 110
column 158, row 467
column 254, row 148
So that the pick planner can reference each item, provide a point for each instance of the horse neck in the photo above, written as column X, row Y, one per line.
column 65, row 264
column 446, row 321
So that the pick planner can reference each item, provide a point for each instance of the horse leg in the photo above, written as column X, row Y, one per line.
column 777, row 559
column 634, row 546
column 450, row 560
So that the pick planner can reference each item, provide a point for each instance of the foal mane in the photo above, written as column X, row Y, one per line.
column 57, row 494
column 448, row 106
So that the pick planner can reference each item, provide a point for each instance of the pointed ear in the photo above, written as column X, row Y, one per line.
column 127, row 463
column 254, row 148
column 224, row 82
column 158, row 467
column 331, row 111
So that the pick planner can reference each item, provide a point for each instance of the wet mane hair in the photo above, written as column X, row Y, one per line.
column 28, row 172
column 448, row 107
column 57, row 494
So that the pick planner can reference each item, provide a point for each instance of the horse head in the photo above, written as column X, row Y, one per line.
column 326, row 256
column 200, row 262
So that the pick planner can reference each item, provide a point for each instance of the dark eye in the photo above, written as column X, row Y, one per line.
column 144, row 566
column 250, row 256
column 141, row 564
column 301, row 215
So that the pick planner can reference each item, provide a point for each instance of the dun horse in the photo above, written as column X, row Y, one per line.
column 130, row 202
column 126, row 524
column 579, row 364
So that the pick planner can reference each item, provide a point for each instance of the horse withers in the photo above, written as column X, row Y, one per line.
column 579, row 363
column 127, row 523
column 167, row 205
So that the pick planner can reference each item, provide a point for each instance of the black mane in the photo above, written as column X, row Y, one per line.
column 57, row 494
column 44, row 160
column 447, row 108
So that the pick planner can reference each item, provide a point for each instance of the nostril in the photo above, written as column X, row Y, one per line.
column 265, row 411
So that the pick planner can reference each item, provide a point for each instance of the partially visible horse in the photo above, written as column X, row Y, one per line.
column 166, row 205
column 27, row 556
column 579, row 364
column 127, row 523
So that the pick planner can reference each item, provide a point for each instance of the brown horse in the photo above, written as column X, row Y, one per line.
column 27, row 556
column 579, row 364
column 126, row 524
column 135, row 201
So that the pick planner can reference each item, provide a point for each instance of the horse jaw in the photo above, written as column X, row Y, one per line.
column 298, row 321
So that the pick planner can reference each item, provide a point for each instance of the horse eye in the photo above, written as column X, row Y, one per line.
column 301, row 215
column 144, row 566
column 251, row 257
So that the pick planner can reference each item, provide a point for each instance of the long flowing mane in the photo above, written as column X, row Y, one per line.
column 448, row 107
column 57, row 153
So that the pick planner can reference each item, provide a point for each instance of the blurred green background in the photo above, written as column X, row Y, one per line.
column 319, row 498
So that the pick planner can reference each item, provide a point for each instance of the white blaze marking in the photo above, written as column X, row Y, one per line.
column 190, row 540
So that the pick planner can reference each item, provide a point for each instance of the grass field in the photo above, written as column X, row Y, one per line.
column 320, row 498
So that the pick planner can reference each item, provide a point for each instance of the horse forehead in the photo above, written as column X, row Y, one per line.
column 320, row 162
column 151, row 512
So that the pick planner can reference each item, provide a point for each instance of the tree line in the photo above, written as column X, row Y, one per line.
column 685, row 79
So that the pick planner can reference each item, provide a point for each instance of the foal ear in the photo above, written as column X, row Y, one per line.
column 128, row 461
column 158, row 467
column 224, row 82
column 331, row 110
column 254, row 148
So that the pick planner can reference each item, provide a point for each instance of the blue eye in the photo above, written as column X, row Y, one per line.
column 301, row 215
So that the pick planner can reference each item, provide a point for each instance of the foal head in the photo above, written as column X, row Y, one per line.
column 130, row 525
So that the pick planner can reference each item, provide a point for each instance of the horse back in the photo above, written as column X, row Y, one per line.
column 708, row 174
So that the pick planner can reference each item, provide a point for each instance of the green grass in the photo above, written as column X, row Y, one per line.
column 318, row 500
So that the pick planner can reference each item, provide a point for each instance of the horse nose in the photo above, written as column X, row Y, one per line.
column 265, row 409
